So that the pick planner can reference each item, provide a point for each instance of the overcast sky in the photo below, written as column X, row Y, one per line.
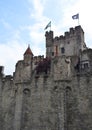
column 22, row 22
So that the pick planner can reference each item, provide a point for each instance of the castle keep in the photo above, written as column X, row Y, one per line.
column 52, row 92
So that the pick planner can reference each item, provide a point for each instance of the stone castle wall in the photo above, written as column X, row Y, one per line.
column 52, row 93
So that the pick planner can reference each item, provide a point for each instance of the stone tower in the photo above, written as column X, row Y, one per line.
column 52, row 92
column 49, row 43
column 70, row 44
column 24, row 67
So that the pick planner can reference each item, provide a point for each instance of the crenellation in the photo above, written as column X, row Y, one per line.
column 62, row 37
column 78, row 29
column 56, row 39
column 49, row 34
column 40, row 57
column 37, row 59
column 49, row 38
column 67, row 35
column 8, row 77
column 71, row 30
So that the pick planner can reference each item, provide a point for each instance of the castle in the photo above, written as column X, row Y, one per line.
column 52, row 92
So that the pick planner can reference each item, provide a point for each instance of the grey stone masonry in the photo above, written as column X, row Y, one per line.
column 52, row 92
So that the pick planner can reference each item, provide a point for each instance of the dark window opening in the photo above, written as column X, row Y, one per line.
column 52, row 53
column 26, row 91
column 56, row 50
column 86, row 66
column 55, row 88
column 62, row 50
column 68, row 42
column 68, row 89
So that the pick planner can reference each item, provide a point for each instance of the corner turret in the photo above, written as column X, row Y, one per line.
column 49, row 43
column 28, row 56
column 24, row 67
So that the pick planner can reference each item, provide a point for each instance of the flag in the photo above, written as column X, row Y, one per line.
column 75, row 16
column 48, row 25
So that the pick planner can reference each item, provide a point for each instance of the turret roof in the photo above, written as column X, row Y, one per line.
column 28, row 51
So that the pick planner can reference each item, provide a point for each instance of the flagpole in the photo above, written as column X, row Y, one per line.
column 76, row 17
column 50, row 27
column 78, row 21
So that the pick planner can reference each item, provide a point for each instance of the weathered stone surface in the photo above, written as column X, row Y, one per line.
column 59, row 98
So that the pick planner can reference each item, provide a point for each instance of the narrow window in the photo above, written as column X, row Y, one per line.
column 52, row 53
column 62, row 50
column 68, row 42
column 56, row 50
column 85, row 65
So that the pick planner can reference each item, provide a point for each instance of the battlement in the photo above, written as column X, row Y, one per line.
column 72, row 32
column 68, row 34
column 38, row 58
column 49, row 34
column 8, row 77
column 41, row 64
column 68, row 44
